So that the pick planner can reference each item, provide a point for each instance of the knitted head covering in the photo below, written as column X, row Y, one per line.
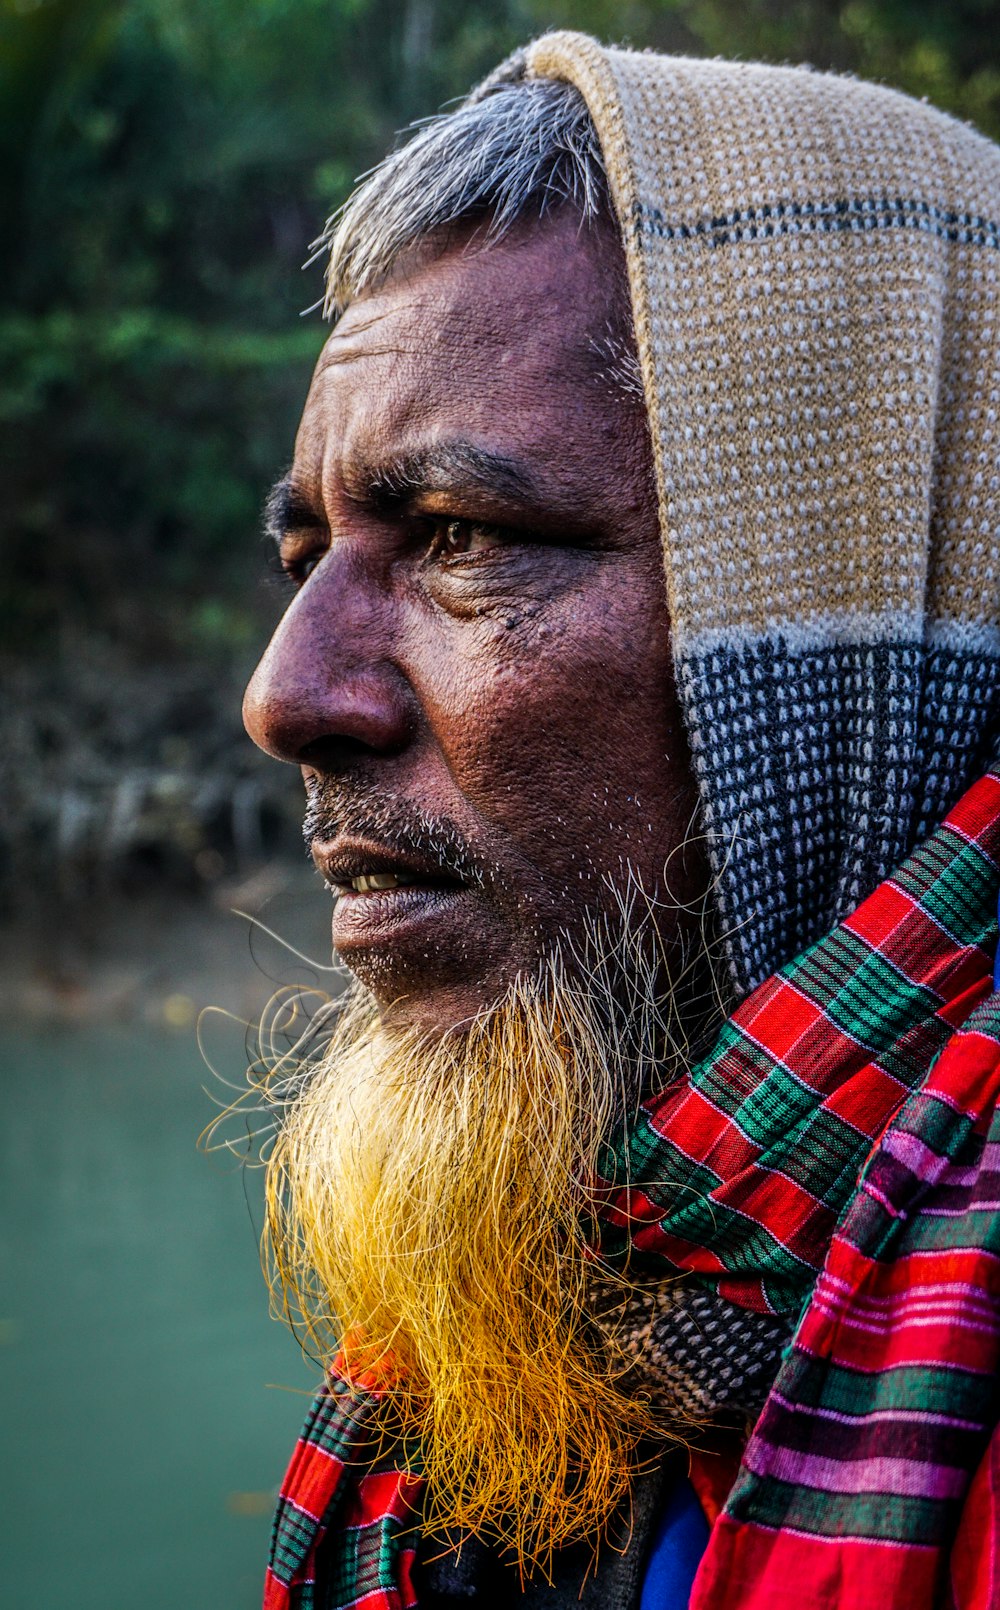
column 814, row 266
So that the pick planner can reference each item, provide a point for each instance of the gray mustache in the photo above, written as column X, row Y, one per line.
column 390, row 822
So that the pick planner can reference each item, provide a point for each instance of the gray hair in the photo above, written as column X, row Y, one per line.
column 516, row 147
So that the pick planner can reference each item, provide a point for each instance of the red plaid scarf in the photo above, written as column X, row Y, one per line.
column 835, row 1156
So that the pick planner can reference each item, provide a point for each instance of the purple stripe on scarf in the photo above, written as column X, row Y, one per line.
column 899, row 1417
column 883, row 1327
column 926, row 1163
column 946, row 1294
column 904, row 1478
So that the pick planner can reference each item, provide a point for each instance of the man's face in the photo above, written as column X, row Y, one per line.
column 474, row 672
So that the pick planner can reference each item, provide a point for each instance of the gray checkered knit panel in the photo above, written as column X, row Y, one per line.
column 821, row 770
column 814, row 266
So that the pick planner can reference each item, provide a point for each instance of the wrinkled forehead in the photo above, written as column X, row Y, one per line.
column 544, row 308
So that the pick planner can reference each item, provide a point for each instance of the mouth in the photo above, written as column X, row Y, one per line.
column 375, row 882
column 368, row 870
column 384, row 900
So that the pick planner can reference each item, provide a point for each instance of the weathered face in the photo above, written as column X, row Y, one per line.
column 474, row 670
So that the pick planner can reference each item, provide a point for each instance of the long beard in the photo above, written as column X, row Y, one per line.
column 426, row 1203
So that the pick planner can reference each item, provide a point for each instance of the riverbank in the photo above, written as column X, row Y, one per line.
column 159, row 956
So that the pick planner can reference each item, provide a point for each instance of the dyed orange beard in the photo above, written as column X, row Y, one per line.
column 423, row 1200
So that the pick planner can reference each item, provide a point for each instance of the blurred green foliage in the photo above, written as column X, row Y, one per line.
column 165, row 164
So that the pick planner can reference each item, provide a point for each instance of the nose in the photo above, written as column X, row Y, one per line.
column 327, row 687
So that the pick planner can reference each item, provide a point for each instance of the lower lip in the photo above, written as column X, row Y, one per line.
column 389, row 917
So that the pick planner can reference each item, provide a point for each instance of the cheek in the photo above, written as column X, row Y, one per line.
column 558, row 729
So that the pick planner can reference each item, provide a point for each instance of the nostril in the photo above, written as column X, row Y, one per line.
column 331, row 752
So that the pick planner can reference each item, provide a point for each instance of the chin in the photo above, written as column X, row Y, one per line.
column 435, row 996
column 434, row 959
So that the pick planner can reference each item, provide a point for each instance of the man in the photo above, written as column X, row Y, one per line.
column 623, row 321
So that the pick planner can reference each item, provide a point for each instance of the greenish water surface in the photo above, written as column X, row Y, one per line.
column 149, row 1403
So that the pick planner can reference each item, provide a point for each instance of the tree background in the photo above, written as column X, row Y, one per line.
column 165, row 166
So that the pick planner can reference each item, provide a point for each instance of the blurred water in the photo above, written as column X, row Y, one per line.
column 141, row 1433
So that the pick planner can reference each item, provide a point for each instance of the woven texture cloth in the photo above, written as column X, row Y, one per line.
column 876, row 1055
column 815, row 275
column 688, row 1348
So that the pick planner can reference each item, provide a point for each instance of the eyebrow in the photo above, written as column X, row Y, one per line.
column 286, row 508
column 453, row 466
column 446, row 467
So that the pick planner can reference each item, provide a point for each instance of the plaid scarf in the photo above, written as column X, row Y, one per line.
column 835, row 1158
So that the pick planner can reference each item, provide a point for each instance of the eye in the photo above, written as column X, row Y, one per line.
column 453, row 539
column 306, row 566
column 296, row 567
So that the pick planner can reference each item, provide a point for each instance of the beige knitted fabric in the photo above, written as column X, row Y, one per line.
column 815, row 273
column 695, row 1354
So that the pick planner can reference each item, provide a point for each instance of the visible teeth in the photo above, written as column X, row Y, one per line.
column 370, row 881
